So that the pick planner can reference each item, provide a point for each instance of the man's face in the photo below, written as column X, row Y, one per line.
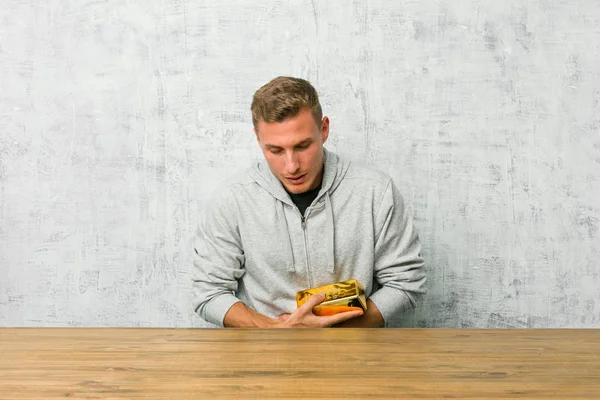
column 294, row 150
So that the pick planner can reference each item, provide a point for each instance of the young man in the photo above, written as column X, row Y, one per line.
column 302, row 218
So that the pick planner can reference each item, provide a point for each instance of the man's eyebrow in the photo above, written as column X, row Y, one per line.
column 305, row 141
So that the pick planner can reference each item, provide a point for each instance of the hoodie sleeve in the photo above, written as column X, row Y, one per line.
column 218, row 260
column 399, row 268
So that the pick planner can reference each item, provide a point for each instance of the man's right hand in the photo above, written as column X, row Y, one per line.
column 303, row 316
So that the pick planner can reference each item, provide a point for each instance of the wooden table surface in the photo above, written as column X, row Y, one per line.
column 111, row 363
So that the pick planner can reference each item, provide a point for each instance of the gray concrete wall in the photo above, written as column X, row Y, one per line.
column 118, row 119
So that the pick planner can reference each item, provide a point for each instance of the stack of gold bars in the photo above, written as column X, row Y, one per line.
column 339, row 297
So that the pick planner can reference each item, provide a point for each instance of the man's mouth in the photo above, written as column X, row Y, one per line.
column 297, row 180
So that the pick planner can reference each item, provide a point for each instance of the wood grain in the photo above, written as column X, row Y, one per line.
column 284, row 364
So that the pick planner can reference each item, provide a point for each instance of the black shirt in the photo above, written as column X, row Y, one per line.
column 304, row 200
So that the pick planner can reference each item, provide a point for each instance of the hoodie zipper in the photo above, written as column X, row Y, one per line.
column 303, row 223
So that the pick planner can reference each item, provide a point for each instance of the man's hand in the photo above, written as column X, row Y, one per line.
column 240, row 316
column 303, row 316
column 371, row 319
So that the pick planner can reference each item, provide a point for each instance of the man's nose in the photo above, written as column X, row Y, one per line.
column 291, row 163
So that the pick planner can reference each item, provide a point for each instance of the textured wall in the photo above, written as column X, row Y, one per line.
column 118, row 119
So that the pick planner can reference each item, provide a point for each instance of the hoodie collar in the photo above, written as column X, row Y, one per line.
column 333, row 174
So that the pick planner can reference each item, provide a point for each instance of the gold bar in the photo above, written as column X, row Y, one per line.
column 339, row 297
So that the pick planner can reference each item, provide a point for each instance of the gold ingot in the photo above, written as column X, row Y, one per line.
column 339, row 297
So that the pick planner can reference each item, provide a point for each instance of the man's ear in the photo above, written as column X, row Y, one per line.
column 325, row 129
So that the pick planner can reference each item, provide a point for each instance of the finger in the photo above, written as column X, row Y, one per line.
column 341, row 317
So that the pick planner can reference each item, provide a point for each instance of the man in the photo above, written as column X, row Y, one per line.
column 302, row 218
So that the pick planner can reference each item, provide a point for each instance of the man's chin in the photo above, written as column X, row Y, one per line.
column 297, row 189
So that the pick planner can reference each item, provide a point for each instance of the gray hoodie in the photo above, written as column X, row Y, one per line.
column 253, row 245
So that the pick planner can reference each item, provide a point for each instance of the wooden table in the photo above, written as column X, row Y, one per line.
column 283, row 364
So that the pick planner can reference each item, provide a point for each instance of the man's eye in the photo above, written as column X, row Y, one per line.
column 274, row 151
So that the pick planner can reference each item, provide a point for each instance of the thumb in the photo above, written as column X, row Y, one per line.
column 313, row 301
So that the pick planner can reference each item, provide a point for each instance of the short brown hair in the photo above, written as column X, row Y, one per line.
column 284, row 97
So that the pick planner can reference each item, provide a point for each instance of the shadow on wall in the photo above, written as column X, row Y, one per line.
column 441, row 305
